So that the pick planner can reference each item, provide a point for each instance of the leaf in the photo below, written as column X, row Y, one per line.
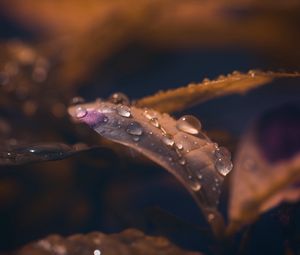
column 180, row 147
column 267, row 167
column 195, row 93
column 31, row 153
column 130, row 241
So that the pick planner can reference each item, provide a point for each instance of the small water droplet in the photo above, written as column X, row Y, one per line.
column 105, row 119
column 80, row 112
column 224, row 166
column 189, row 124
column 150, row 133
column 199, row 176
column 222, row 152
column 97, row 252
column 179, row 146
column 182, row 161
column 194, row 184
column 154, row 122
column 136, row 138
column 149, row 114
column 134, row 128
column 163, row 131
column 77, row 100
column 119, row 98
column 124, row 111
column 168, row 140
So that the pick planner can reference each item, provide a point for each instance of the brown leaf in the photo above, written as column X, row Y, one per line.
column 128, row 242
column 181, row 148
column 259, row 183
column 196, row 93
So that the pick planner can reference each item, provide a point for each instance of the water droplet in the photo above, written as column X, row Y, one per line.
column 150, row 133
column 179, row 146
column 222, row 152
column 149, row 114
column 182, row 161
column 194, row 184
column 154, row 122
column 124, row 111
column 189, row 124
column 224, row 166
column 97, row 252
column 77, row 100
column 168, row 140
column 80, row 112
column 119, row 98
column 136, row 138
column 163, row 131
column 134, row 128
column 199, row 176
column 105, row 119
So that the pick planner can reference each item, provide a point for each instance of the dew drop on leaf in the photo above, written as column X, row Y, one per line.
column 154, row 122
column 224, row 166
column 124, row 111
column 189, row 124
column 80, row 112
column 168, row 140
column 77, row 100
column 194, row 184
column 182, row 161
column 134, row 129
column 119, row 98
column 222, row 152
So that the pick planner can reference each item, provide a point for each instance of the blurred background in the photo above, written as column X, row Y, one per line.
column 53, row 51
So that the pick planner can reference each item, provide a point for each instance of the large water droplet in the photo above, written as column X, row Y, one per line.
column 224, row 166
column 80, row 112
column 119, row 98
column 124, row 111
column 189, row 124
column 134, row 128
column 168, row 140
column 222, row 152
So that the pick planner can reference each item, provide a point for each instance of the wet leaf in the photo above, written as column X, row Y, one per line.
column 179, row 146
column 196, row 93
column 130, row 241
column 20, row 155
column 267, row 167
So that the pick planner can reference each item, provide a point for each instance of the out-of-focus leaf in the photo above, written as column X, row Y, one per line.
column 180, row 146
column 20, row 155
column 267, row 167
column 195, row 93
column 128, row 242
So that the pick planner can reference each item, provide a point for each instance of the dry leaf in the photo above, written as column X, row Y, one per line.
column 193, row 94
column 267, row 167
